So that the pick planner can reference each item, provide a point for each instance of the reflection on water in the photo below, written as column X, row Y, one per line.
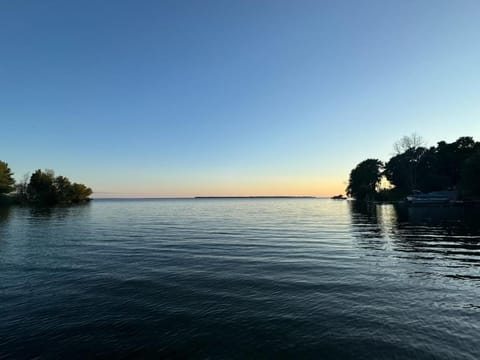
column 269, row 278
column 441, row 234
column 4, row 213
column 57, row 212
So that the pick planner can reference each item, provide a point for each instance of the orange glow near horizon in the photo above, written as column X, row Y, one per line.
column 272, row 187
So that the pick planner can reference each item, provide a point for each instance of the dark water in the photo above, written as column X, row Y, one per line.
column 239, row 279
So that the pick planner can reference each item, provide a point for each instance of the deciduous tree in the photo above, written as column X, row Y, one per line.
column 364, row 179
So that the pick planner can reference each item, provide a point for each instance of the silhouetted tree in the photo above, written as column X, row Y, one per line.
column 41, row 188
column 447, row 166
column 470, row 183
column 411, row 142
column 426, row 175
column 6, row 179
column 402, row 169
column 450, row 159
column 364, row 180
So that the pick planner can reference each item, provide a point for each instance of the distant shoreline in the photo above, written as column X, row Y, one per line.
column 255, row 197
column 209, row 198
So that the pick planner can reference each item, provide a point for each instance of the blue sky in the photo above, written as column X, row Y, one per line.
column 182, row 98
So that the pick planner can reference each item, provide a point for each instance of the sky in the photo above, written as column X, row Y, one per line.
column 253, row 97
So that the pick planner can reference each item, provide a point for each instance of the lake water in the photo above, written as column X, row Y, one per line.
column 256, row 278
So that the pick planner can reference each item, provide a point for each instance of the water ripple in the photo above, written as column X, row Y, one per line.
column 239, row 279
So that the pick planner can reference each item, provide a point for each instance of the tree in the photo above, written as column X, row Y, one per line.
column 7, row 183
column 470, row 183
column 364, row 180
column 402, row 170
column 447, row 166
column 413, row 141
column 21, row 189
column 80, row 193
column 450, row 159
column 46, row 189
column 437, row 168
column 41, row 189
column 63, row 189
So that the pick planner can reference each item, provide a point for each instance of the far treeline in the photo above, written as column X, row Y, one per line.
column 42, row 188
column 445, row 167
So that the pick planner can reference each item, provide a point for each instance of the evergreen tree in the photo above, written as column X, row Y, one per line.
column 7, row 183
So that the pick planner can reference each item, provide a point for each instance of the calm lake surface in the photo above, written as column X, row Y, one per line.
column 246, row 278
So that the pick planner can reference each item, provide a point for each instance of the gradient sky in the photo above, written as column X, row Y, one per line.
column 251, row 97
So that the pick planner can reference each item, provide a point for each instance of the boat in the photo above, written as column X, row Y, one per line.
column 432, row 198
column 338, row 197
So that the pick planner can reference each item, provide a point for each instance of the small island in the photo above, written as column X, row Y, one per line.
column 42, row 188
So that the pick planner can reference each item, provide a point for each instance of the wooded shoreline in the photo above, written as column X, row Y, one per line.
column 42, row 188
column 415, row 169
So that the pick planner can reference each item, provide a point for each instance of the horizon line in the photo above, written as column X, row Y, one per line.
column 212, row 197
